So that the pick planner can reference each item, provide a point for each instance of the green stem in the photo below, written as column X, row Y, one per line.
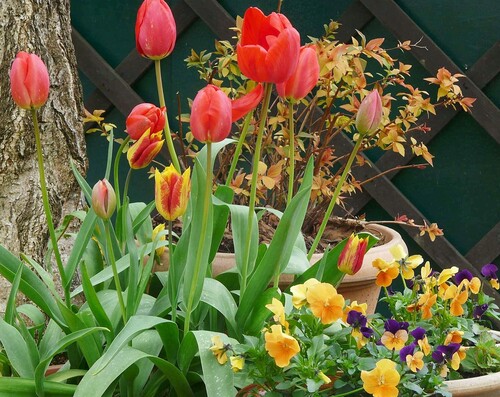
column 239, row 148
column 116, row 277
column 335, row 196
column 116, row 166
column 291, row 160
column 166, row 129
column 349, row 392
column 127, row 183
column 171, row 268
column 253, row 190
column 204, row 225
column 46, row 207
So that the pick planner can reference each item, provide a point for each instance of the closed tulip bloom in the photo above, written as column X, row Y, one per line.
column 155, row 30
column 243, row 105
column 369, row 113
column 305, row 77
column 351, row 257
column 142, row 152
column 103, row 199
column 172, row 192
column 211, row 115
column 268, row 50
column 29, row 81
column 143, row 117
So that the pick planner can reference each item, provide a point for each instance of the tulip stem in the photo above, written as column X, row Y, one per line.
column 335, row 196
column 291, row 154
column 204, row 226
column 127, row 183
column 166, row 129
column 239, row 148
column 253, row 190
column 46, row 207
column 171, row 269
column 116, row 166
column 116, row 277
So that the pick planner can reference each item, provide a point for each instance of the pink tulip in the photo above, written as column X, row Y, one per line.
column 145, row 116
column 103, row 199
column 268, row 50
column 155, row 30
column 369, row 113
column 29, row 81
column 305, row 77
column 241, row 106
column 211, row 115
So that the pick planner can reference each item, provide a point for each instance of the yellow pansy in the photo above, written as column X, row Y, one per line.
column 383, row 380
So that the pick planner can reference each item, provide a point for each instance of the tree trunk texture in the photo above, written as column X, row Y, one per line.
column 44, row 28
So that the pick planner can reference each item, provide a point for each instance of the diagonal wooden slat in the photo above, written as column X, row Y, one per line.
column 215, row 16
column 355, row 17
column 395, row 203
column 482, row 253
column 103, row 76
column 432, row 58
column 482, row 72
column 134, row 66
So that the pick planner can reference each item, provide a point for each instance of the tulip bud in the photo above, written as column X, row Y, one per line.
column 211, row 115
column 369, row 113
column 142, row 152
column 155, row 30
column 29, row 81
column 351, row 257
column 158, row 229
column 305, row 77
column 143, row 117
column 172, row 192
column 103, row 199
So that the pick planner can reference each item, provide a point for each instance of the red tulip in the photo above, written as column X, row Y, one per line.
column 305, row 77
column 172, row 192
column 268, row 50
column 142, row 152
column 211, row 115
column 369, row 113
column 351, row 257
column 29, row 81
column 241, row 106
column 103, row 199
column 155, row 30
column 143, row 117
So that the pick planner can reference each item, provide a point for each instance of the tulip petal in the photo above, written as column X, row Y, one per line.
column 282, row 57
column 241, row 106
column 252, row 62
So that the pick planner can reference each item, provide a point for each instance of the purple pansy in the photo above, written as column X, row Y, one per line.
column 394, row 326
column 406, row 350
column 356, row 319
column 490, row 271
column 418, row 333
column 463, row 275
column 479, row 310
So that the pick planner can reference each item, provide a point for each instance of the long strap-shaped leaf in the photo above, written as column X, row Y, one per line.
column 95, row 383
column 20, row 387
column 279, row 251
column 30, row 285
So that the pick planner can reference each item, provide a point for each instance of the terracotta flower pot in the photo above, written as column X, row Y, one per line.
column 361, row 287
column 478, row 386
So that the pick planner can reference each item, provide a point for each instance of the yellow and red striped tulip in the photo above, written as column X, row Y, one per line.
column 143, row 117
column 172, row 192
column 142, row 152
column 351, row 257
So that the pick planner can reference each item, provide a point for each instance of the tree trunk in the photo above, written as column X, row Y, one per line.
column 41, row 27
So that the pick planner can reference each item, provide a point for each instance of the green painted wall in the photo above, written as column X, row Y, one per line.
column 461, row 193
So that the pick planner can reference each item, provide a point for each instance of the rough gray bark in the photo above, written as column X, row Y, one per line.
column 41, row 27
